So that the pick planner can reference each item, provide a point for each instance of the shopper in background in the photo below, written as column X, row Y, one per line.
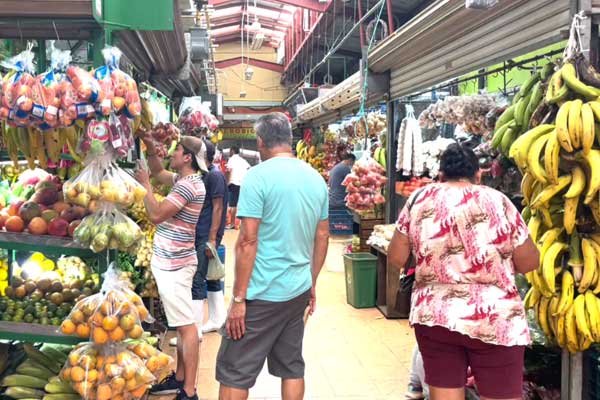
column 337, row 192
column 174, row 261
column 237, row 168
column 467, row 241
column 279, row 253
column 210, row 229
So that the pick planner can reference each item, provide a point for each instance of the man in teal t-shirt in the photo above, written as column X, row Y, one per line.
column 280, row 251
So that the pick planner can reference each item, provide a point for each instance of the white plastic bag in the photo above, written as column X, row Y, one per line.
column 216, row 269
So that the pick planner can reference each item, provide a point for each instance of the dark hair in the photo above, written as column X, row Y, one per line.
column 234, row 150
column 274, row 130
column 210, row 151
column 459, row 162
column 194, row 163
column 349, row 156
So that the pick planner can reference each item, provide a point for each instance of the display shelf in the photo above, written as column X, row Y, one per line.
column 35, row 333
column 45, row 244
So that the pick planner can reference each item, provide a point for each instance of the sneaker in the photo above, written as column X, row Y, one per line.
column 181, row 395
column 229, row 227
column 173, row 341
column 414, row 393
column 169, row 385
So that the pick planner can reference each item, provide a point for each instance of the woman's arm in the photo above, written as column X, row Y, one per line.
column 398, row 251
column 526, row 257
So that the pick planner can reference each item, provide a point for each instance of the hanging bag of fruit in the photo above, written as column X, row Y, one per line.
column 17, row 102
column 107, row 372
column 365, row 184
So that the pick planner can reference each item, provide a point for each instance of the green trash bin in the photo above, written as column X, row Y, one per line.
column 361, row 279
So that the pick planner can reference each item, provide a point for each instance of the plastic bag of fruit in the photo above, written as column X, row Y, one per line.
column 108, row 228
column 155, row 360
column 85, row 188
column 123, row 94
column 113, row 315
column 163, row 136
column 106, row 372
column 86, row 92
column 120, row 187
column 46, row 90
column 364, row 184
column 17, row 102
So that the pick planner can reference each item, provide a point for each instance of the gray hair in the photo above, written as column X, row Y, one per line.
column 274, row 130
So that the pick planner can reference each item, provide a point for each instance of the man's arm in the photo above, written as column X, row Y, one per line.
column 155, row 164
column 215, row 223
column 245, row 255
column 318, row 259
column 157, row 212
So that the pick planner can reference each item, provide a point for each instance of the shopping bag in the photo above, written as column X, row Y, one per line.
column 216, row 269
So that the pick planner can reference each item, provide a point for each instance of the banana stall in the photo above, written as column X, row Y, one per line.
column 75, row 240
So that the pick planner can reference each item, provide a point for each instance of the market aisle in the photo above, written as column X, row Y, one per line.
column 349, row 353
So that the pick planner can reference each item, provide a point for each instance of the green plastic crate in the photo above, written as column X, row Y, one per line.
column 361, row 279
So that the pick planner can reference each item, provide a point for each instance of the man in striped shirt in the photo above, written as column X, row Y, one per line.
column 174, row 262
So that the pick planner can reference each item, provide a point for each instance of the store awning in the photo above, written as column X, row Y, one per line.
column 345, row 95
column 162, row 57
column 446, row 40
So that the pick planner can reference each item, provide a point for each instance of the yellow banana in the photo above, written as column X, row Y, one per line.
column 546, row 216
column 551, row 190
column 527, row 187
column 534, row 156
column 520, row 147
column 561, row 334
column 534, row 227
column 532, row 297
column 574, row 123
column 577, row 183
column 562, row 129
column 588, row 134
column 569, row 75
column 570, row 214
column 546, row 240
column 589, row 264
column 548, row 274
column 543, row 316
column 552, row 157
column 549, row 314
column 567, row 293
column 593, row 161
column 571, row 330
column 595, row 208
column 581, row 318
column 591, row 306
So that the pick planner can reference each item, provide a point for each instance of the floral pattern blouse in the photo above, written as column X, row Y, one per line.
column 462, row 239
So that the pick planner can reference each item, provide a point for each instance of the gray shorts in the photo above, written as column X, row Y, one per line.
column 274, row 331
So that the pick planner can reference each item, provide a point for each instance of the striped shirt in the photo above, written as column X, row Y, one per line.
column 174, row 240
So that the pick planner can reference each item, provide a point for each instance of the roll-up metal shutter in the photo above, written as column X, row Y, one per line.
column 447, row 40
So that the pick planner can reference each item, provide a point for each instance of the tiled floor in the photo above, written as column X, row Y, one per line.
column 350, row 354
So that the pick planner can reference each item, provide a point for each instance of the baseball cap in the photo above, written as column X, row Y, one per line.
column 197, row 147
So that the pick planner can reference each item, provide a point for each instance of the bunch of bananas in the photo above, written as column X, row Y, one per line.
column 304, row 150
column 559, row 156
column 527, row 109
column 144, row 254
column 380, row 155
column 145, row 120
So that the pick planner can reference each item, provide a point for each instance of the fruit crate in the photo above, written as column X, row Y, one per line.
column 341, row 222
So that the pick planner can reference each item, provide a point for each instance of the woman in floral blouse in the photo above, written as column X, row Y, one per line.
column 468, row 242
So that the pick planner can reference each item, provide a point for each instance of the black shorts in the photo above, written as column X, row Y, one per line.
column 234, row 195
column 274, row 331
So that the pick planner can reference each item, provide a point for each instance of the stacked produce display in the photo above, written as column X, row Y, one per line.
column 365, row 185
column 110, row 366
column 551, row 132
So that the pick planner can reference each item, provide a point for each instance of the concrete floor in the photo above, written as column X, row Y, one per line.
column 350, row 354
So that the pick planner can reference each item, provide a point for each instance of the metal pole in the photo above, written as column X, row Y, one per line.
column 390, row 15
column 362, row 30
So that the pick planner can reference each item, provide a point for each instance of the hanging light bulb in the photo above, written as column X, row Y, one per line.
column 248, row 73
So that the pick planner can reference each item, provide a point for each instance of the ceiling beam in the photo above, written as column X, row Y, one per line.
column 252, row 61
column 312, row 5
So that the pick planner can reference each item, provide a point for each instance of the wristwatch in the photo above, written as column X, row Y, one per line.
column 239, row 300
